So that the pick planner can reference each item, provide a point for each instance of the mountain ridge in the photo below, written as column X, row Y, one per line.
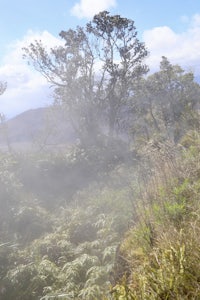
column 33, row 125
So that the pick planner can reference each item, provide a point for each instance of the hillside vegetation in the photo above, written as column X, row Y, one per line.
column 115, row 214
column 133, row 233
column 162, row 248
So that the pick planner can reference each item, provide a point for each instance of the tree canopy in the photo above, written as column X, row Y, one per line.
column 165, row 102
column 93, row 72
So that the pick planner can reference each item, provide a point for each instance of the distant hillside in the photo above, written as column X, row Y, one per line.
column 41, row 125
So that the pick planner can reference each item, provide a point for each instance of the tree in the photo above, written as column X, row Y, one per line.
column 93, row 72
column 166, row 101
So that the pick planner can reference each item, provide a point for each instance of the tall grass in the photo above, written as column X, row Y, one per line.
column 163, row 246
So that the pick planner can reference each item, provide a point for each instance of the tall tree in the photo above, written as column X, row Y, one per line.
column 93, row 72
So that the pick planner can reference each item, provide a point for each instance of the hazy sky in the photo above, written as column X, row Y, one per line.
column 170, row 28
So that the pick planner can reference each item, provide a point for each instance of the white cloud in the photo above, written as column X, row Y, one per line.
column 195, row 21
column 88, row 8
column 179, row 48
column 26, row 87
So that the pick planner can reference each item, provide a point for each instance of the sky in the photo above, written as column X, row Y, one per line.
column 170, row 28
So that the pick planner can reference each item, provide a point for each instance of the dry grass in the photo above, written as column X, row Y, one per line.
column 163, row 246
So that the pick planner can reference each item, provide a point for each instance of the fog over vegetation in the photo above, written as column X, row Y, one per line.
column 100, row 191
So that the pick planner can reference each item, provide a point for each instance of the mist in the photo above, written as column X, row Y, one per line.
column 100, row 189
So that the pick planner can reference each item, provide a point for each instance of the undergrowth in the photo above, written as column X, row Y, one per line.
column 163, row 246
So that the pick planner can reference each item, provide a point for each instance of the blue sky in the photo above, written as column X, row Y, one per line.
column 170, row 28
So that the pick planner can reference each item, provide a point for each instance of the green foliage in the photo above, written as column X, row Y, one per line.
column 122, row 292
column 10, row 187
column 165, row 104
column 77, row 259
column 74, row 251
column 90, row 97
column 163, row 247
column 76, row 220
column 168, row 271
